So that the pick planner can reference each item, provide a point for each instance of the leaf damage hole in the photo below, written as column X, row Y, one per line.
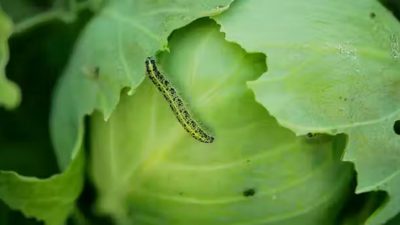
column 249, row 192
column 310, row 135
column 396, row 127
column 96, row 71
column 92, row 73
column 372, row 15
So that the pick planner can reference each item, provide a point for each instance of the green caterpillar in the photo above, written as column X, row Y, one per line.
column 176, row 103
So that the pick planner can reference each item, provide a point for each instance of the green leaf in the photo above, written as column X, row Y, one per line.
column 9, row 217
column 115, row 44
column 148, row 170
column 394, row 221
column 24, row 131
column 331, row 69
column 50, row 200
column 9, row 92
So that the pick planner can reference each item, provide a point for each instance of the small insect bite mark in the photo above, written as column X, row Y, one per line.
column 396, row 127
column 92, row 73
column 176, row 103
column 96, row 71
column 311, row 135
column 249, row 192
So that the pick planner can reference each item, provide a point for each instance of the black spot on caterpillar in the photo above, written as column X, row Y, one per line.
column 176, row 103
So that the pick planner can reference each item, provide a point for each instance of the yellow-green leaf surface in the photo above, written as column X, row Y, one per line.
column 148, row 170
column 9, row 92
column 110, row 56
column 49, row 200
column 333, row 67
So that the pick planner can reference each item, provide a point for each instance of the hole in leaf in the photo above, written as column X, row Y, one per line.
column 310, row 135
column 372, row 15
column 249, row 192
column 396, row 127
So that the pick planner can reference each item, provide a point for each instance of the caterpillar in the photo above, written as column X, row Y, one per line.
column 176, row 103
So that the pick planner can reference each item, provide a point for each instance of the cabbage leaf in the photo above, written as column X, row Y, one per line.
column 333, row 67
column 110, row 55
column 148, row 170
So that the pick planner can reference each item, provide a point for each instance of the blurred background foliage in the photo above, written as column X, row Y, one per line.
column 44, row 35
